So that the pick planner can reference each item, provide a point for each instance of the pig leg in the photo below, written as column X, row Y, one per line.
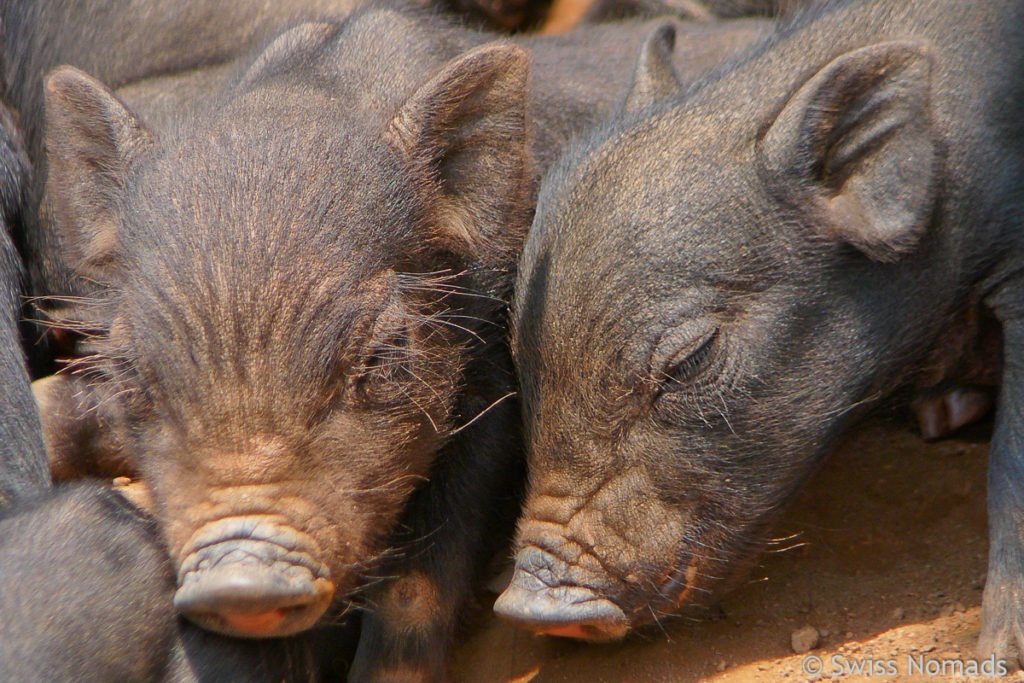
column 453, row 528
column 1002, row 631
column 78, row 429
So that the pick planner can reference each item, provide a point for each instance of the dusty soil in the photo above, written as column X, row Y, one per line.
column 887, row 561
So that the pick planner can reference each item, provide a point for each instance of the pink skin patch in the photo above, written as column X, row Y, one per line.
column 568, row 631
column 942, row 415
column 261, row 624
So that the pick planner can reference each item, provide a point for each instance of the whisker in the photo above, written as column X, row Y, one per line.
column 483, row 412
column 422, row 410
column 437, row 319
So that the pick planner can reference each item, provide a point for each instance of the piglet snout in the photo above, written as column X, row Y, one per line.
column 252, row 577
column 537, row 601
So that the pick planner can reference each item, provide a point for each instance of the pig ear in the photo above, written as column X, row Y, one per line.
column 855, row 146
column 465, row 132
column 91, row 141
column 654, row 77
column 295, row 44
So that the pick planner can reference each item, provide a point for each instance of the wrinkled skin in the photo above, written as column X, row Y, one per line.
column 604, row 10
column 296, row 270
column 805, row 232
column 82, row 571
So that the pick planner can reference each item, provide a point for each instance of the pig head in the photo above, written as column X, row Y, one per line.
column 286, row 287
column 690, row 343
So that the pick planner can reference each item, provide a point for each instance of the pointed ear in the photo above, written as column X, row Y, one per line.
column 465, row 132
column 856, row 147
column 91, row 141
column 654, row 77
column 289, row 47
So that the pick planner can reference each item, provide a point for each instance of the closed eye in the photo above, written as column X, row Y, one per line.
column 386, row 357
column 687, row 364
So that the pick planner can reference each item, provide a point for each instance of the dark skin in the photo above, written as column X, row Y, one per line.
column 122, row 43
column 22, row 458
column 326, row 371
column 805, row 233
column 72, row 553
column 97, row 549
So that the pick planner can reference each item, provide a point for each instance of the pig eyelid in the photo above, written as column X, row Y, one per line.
column 393, row 349
column 382, row 360
column 689, row 361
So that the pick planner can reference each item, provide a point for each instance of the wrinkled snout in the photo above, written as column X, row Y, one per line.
column 254, row 577
column 539, row 599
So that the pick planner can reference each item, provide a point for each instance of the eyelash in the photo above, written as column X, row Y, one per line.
column 685, row 370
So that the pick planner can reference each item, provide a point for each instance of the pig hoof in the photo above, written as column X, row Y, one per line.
column 940, row 415
column 1002, row 621
column 569, row 611
column 135, row 491
column 1003, row 645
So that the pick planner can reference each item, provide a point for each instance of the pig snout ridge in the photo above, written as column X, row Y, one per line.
column 252, row 577
column 538, row 601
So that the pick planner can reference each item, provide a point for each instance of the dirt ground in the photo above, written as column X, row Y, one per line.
column 887, row 563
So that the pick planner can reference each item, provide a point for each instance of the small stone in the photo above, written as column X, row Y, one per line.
column 721, row 665
column 960, row 607
column 897, row 614
column 947, row 611
column 805, row 639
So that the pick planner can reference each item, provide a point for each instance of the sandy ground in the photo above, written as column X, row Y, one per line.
column 887, row 563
